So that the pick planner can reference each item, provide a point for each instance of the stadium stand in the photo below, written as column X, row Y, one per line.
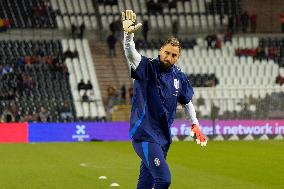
column 195, row 15
column 228, row 69
column 75, row 12
column 251, row 77
column 83, row 68
column 28, row 13
column 34, row 75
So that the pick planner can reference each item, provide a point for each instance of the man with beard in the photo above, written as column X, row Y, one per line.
column 158, row 86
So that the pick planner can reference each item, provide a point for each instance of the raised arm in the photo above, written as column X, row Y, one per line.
column 129, row 27
column 133, row 57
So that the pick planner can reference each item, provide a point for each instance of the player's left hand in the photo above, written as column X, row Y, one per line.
column 196, row 132
column 128, row 20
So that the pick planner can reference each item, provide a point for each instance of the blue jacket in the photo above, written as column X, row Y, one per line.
column 156, row 93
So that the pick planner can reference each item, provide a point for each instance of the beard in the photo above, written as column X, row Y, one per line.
column 165, row 65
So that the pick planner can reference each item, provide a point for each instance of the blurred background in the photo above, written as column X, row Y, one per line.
column 62, row 61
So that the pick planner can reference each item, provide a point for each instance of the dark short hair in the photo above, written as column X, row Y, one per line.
column 173, row 41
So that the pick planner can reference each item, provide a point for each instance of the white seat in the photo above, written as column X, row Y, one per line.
column 218, row 53
column 78, row 109
column 201, row 42
column 225, row 52
column 226, row 70
column 62, row 7
column 196, row 68
column 160, row 22
column 182, row 22
column 194, row 6
column 86, row 109
column 90, row 6
column 153, row 22
column 248, row 41
column 210, row 68
column 76, row 6
column 228, row 60
column 190, row 53
column 204, row 52
column 255, row 42
column 101, row 110
column 69, row 6
column 262, row 93
column 234, row 93
column 230, row 105
column 187, row 8
column 87, row 22
column 167, row 19
column 247, row 70
column 243, row 81
column 83, row 6
column 105, row 23
column 243, row 60
column 128, row 5
column 115, row 9
column 196, row 50
column 219, row 93
column 197, row 93
column 226, row 93
column 225, row 20
column 189, row 20
column 180, row 7
column 59, row 22
column 240, row 70
column 201, row 4
column 211, row 53
column 242, row 43
column 54, row 4
column 214, row 61
column 235, row 42
column 93, row 110
column 203, row 22
column 80, row 20
column 261, row 68
column 210, row 21
column 232, row 81
column 121, row 6
column 107, row 9
column 217, row 20
column 136, row 6
column 196, row 22
column 166, row 10
column 66, row 22
column 222, row 81
column 94, row 23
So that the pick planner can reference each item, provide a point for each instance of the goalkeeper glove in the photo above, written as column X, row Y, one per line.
column 128, row 20
column 198, row 135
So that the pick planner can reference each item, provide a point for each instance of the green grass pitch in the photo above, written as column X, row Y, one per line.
column 233, row 165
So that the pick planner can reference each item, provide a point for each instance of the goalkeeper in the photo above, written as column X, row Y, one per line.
column 158, row 86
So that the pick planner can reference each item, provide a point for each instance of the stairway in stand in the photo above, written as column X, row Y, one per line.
column 110, row 70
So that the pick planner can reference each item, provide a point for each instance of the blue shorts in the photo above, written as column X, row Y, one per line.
column 154, row 170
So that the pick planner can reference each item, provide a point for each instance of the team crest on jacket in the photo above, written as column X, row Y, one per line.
column 157, row 162
column 176, row 83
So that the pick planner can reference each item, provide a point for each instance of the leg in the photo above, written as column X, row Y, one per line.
column 145, row 178
column 153, row 157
